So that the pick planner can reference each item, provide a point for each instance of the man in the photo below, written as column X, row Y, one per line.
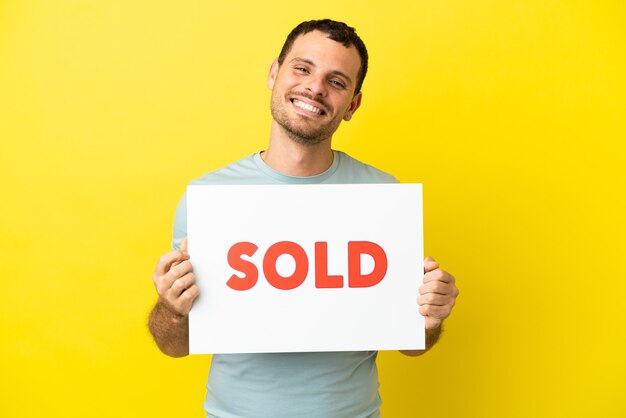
column 316, row 83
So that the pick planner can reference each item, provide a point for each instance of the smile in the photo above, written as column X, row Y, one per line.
column 307, row 107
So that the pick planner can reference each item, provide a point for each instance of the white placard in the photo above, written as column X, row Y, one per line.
column 303, row 306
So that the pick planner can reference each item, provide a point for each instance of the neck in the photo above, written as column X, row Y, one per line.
column 289, row 157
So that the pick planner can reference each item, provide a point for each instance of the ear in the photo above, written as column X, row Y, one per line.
column 271, row 77
column 354, row 105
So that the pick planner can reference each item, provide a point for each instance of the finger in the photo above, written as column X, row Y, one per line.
column 184, row 303
column 433, row 311
column 434, row 299
column 180, row 270
column 184, row 245
column 430, row 264
column 438, row 287
column 190, row 295
column 181, row 284
column 167, row 260
column 183, row 250
column 431, row 323
column 166, row 281
column 438, row 275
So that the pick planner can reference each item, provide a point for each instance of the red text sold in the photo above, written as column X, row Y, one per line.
column 250, row 272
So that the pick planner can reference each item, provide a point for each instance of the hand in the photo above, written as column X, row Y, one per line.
column 175, row 282
column 437, row 294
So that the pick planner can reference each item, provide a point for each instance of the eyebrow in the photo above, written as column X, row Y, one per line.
column 311, row 63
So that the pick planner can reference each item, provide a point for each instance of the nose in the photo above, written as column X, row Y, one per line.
column 316, row 86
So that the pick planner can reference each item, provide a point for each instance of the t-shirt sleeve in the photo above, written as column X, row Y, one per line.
column 180, row 223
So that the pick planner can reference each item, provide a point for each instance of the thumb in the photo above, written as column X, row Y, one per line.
column 183, row 245
column 430, row 264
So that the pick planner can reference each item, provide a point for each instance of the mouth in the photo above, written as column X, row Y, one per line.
column 307, row 107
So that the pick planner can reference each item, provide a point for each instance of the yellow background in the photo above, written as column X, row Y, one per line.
column 510, row 112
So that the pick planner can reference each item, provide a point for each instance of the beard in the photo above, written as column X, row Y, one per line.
column 298, row 128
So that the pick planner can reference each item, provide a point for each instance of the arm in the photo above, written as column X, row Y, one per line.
column 169, row 320
column 437, row 297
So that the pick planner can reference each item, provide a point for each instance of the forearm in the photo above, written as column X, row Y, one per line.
column 431, row 336
column 170, row 330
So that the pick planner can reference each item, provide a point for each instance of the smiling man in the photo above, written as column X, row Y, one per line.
column 313, row 88
column 316, row 83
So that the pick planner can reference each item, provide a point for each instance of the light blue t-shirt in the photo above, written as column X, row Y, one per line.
column 329, row 384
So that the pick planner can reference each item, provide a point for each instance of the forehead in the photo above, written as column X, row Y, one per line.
column 325, row 53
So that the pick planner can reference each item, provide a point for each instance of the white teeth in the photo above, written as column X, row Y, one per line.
column 307, row 106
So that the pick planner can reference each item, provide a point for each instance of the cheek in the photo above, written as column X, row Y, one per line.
column 345, row 110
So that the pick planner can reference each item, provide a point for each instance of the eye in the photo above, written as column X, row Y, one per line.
column 302, row 70
column 338, row 84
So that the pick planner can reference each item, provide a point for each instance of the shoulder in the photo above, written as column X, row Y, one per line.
column 235, row 173
column 359, row 172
